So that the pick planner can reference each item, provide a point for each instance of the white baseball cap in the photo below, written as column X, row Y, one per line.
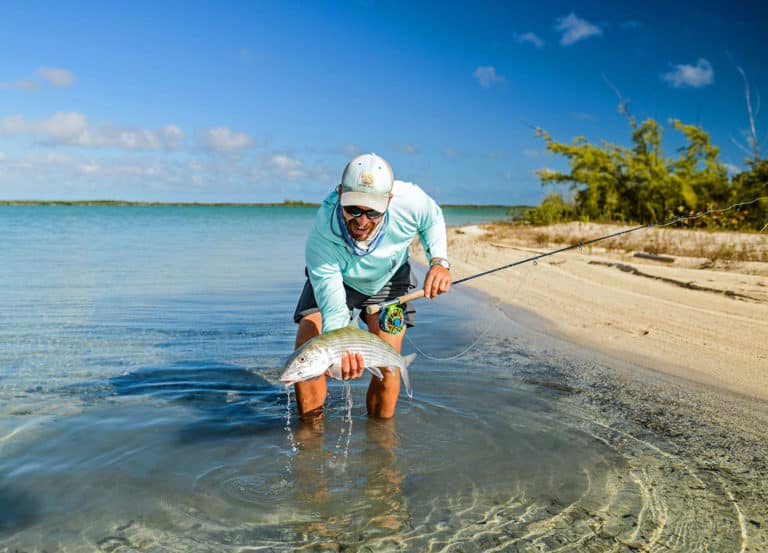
column 367, row 181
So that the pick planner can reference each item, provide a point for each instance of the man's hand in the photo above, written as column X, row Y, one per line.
column 437, row 281
column 352, row 365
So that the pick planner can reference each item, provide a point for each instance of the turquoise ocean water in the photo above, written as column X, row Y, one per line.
column 140, row 408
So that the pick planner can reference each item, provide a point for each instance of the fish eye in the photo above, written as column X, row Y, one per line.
column 302, row 359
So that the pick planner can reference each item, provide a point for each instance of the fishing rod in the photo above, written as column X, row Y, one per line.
column 373, row 309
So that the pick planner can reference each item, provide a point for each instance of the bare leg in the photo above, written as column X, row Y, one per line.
column 384, row 486
column 381, row 399
column 312, row 483
column 310, row 395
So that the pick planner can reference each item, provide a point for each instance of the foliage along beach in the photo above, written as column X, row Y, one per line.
column 687, row 295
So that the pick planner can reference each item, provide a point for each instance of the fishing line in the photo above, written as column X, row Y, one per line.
column 481, row 335
column 461, row 353
column 710, row 211
column 579, row 245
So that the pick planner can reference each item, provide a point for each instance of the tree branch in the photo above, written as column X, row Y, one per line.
column 752, row 141
column 623, row 102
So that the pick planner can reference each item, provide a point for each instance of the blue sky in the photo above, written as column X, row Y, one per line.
column 264, row 101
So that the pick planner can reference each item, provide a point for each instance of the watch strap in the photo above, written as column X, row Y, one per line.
column 440, row 261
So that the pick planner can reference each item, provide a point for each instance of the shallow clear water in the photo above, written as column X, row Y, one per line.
column 140, row 411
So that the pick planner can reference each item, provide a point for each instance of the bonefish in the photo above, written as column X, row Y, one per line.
column 323, row 353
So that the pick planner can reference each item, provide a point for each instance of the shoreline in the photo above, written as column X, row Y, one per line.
column 705, row 325
column 286, row 203
column 126, row 203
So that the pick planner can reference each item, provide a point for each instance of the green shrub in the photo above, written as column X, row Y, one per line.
column 553, row 209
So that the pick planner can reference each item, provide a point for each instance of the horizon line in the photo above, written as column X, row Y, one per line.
column 285, row 203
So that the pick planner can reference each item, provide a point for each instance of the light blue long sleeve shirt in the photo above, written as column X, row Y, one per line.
column 331, row 263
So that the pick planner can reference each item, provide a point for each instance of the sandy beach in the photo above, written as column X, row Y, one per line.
column 696, row 307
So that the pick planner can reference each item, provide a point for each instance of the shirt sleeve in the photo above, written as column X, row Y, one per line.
column 324, row 270
column 432, row 230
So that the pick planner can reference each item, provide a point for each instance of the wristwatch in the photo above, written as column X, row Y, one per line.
column 440, row 261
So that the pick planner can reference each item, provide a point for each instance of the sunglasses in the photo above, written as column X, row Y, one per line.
column 355, row 211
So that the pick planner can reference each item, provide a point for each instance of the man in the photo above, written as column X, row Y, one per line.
column 357, row 255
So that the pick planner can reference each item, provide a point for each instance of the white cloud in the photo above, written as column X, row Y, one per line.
column 173, row 136
column 351, row 150
column 133, row 139
column 56, row 76
column 21, row 84
column 499, row 154
column 68, row 128
column 323, row 173
column 694, row 76
column 574, row 29
column 531, row 153
column 72, row 128
column 57, row 158
column 89, row 168
column 226, row 141
column 453, row 153
column 531, row 38
column 283, row 171
column 286, row 167
column 408, row 149
column 63, row 127
column 12, row 124
column 51, row 174
column 486, row 75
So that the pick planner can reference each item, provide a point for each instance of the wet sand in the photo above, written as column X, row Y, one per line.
column 670, row 355
column 697, row 317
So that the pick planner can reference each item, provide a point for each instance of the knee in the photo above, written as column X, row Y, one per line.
column 310, row 397
column 390, row 384
column 381, row 400
column 309, row 327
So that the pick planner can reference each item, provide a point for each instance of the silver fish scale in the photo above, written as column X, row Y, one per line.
column 375, row 351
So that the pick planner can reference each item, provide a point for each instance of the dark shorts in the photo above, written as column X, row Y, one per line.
column 403, row 282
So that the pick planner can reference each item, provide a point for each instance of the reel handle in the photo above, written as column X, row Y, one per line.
column 372, row 309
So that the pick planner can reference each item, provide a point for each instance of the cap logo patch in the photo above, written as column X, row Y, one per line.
column 367, row 179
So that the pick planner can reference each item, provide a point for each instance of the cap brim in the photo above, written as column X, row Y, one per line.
column 364, row 199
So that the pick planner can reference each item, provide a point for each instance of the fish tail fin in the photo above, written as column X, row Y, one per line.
column 405, row 375
column 354, row 319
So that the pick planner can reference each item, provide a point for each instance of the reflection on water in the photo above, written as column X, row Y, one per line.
column 140, row 418
column 338, row 498
column 490, row 455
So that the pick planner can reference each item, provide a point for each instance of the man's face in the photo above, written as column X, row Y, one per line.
column 360, row 221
